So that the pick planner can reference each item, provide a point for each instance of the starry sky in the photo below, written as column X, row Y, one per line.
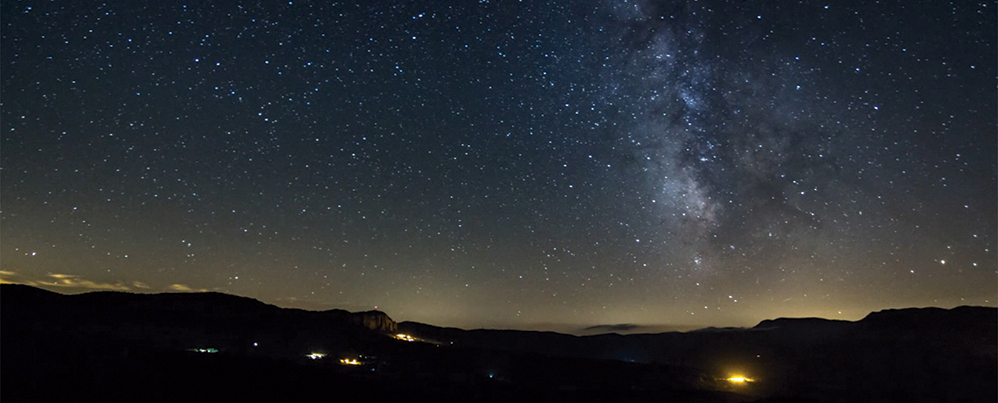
column 506, row 164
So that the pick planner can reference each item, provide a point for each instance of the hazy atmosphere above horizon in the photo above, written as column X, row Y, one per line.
column 506, row 164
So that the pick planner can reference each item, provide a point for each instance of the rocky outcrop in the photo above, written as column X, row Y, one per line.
column 375, row 320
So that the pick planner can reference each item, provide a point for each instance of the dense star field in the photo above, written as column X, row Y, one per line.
column 507, row 164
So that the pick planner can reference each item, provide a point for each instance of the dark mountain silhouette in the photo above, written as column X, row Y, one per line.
column 210, row 346
column 926, row 354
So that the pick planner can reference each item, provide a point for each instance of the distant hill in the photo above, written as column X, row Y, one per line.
column 916, row 354
column 121, row 346
column 186, row 320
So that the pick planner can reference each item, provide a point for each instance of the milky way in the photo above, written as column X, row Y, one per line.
column 498, row 163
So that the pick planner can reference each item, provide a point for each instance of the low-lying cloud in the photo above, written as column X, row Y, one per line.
column 184, row 288
column 73, row 282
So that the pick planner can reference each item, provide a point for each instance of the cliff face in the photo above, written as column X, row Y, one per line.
column 375, row 320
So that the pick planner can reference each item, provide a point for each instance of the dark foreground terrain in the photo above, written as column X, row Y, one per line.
column 109, row 346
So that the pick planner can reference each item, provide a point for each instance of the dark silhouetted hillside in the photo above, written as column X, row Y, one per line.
column 927, row 354
column 112, row 346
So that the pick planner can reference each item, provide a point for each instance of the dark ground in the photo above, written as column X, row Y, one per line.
column 129, row 347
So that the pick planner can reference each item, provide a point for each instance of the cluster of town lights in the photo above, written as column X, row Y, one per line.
column 739, row 379
column 404, row 337
column 344, row 361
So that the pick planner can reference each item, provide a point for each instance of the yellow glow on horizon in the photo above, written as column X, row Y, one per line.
column 348, row 361
column 739, row 379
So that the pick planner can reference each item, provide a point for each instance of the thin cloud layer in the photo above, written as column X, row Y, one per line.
column 184, row 288
column 73, row 282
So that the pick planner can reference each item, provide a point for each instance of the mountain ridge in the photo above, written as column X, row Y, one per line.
column 380, row 320
column 916, row 354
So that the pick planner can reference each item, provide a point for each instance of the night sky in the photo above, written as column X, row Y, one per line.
column 507, row 164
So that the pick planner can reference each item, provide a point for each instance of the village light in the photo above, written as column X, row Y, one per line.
column 739, row 379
